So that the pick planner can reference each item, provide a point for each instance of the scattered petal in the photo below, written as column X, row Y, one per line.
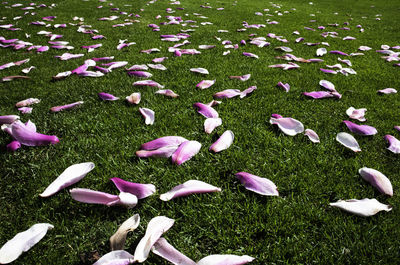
column 225, row 260
column 117, row 240
column 148, row 114
column 163, row 142
column 141, row 191
column 377, row 179
column 185, row 152
column 200, row 71
column 394, row 143
column 288, row 126
column 163, row 249
column 117, row 257
column 65, row 107
column 134, row 98
column 364, row 207
column 211, row 123
column 188, row 188
column 168, row 93
column 205, row 84
column 205, row 110
column 26, row 136
column 106, row 96
column 360, row 129
column 357, row 114
column 348, row 141
column 223, row 142
column 257, row 184
column 313, row 136
column 387, row 91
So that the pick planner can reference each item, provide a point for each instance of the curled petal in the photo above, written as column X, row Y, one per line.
column 357, row 114
column 313, row 136
column 286, row 86
column 62, row 75
column 249, row 54
column 156, row 227
column 241, row 78
column 167, row 92
column 394, row 144
column 327, row 85
column 288, row 126
column 205, row 84
column 163, row 142
column 117, row 240
column 134, row 98
column 70, row 176
column 27, row 102
column 185, row 152
column 328, row 71
column 377, row 179
column 148, row 114
column 117, row 257
column 364, row 207
column 138, row 67
column 22, row 242
column 65, row 107
column 106, row 96
column 257, row 184
column 26, row 136
column 166, row 151
column 223, row 142
column 141, row 191
column 157, row 66
column 348, row 141
column 98, row 197
column 225, row 260
column 228, row 93
column 205, row 110
column 339, row 52
column 8, row 119
column 321, row 51
column 13, row 146
column 150, row 83
column 165, row 250
column 360, row 129
column 200, row 71
column 188, row 188
column 247, row 91
column 211, row 123
column 319, row 94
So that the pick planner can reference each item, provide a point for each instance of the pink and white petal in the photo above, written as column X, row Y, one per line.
column 205, row 110
column 394, row 144
column 188, row 188
column 107, row 96
column 357, row 114
column 66, row 107
column 288, row 126
column 8, row 119
column 141, row 191
column 200, row 71
column 313, row 136
column 225, row 260
column 223, row 142
column 163, row 142
column 377, row 179
column 166, row 151
column 327, row 85
column 387, row 91
column 247, row 91
column 257, row 184
column 148, row 114
column 117, row 257
column 134, row 98
column 26, row 136
column 365, row 207
column 348, row 141
column 228, row 93
column 360, row 129
column 185, row 152
column 150, row 83
column 27, row 102
column 92, row 196
column 211, row 123
column 167, row 92
column 165, row 250
column 205, row 84
column 70, row 176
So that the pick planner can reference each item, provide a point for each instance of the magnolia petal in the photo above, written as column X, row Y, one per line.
column 8, row 119
column 247, row 91
column 140, row 74
column 138, row 67
column 223, row 142
column 205, row 84
column 313, row 136
column 257, row 184
column 134, row 98
column 27, row 102
column 348, row 141
column 13, row 146
column 156, row 227
column 167, row 92
column 328, row 71
column 157, row 66
column 117, row 240
column 360, row 129
column 225, row 260
column 22, row 242
column 286, row 86
column 365, row 207
column 394, row 144
column 65, row 107
column 200, row 71
column 249, row 54
column 70, row 176
column 321, row 51
column 163, row 142
column 377, row 179
column 211, row 123
column 117, row 257
column 150, row 83
column 387, row 91
column 241, row 78
column 166, row 151
column 318, row 94
column 357, row 114
column 148, row 114
column 205, row 110
column 92, row 196
column 228, row 93
column 185, row 152
column 141, row 191
column 106, row 96
column 188, row 188
column 165, row 250
column 26, row 136
column 288, row 126
column 328, row 85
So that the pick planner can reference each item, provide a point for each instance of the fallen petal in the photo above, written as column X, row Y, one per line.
column 168, row 93
column 26, row 136
column 288, row 126
column 328, row 85
column 117, row 257
column 225, row 260
column 348, row 141
column 321, row 51
column 13, row 146
column 65, row 107
column 163, row 142
column 228, row 93
column 211, row 123
column 188, row 188
column 200, row 71
column 134, row 98
column 117, row 240
column 148, row 83
column 148, row 114
column 313, row 136
column 106, row 96
column 377, row 179
column 8, row 119
column 205, row 110
column 247, row 91
column 357, row 114
column 223, row 142
column 163, row 249
column 249, row 54
column 286, row 86
column 394, row 144
column 185, row 152
column 141, row 191
column 257, row 184
column 364, row 207
column 387, row 91
column 166, row 151
column 27, row 102
column 360, row 129
column 205, row 84
column 98, row 197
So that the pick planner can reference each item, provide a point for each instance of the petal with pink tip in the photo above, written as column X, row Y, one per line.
column 313, row 136
column 106, row 96
column 65, row 107
column 140, row 74
column 241, row 78
column 156, row 227
column 150, row 83
column 211, row 123
column 249, row 54
column 148, row 115
column 225, row 260
column 364, row 207
column 200, row 71
column 394, row 143
column 327, row 85
column 166, row 151
column 185, row 152
column 163, row 142
column 286, row 86
column 357, row 114
column 247, row 91
column 8, row 119
column 167, row 92
column 165, row 250
column 205, row 84
column 26, row 136
column 228, row 93
column 223, row 142
column 257, row 184
column 188, row 188
column 387, row 91
column 27, row 102
column 117, row 257
column 70, row 176
column 377, row 179
column 134, row 98
column 288, row 126
column 25, row 110
column 360, row 129
column 205, row 110
column 318, row 94
column 13, row 146
column 98, row 197
column 348, row 141
column 157, row 66
column 141, row 191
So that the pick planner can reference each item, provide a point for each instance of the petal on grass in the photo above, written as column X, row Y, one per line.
column 26, row 136
column 223, row 142
column 141, row 191
column 134, row 98
column 148, row 115
column 150, row 83
column 387, row 91
column 313, row 136
column 26, row 102
column 211, row 123
column 70, row 176
column 348, row 141
column 205, row 110
column 163, row 142
column 188, row 188
column 22, row 242
column 327, row 85
column 288, row 126
column 394, row 143
column 200, row 71
column 365, row 207
column 377, row 179
column 166, row 151
column 117, row 240
column 360, row 129
column 98, row 197
column 286, row 86
column 167, row 92
column 257, row 184
column 66, row 107
column 8, row 119
column 247, row 91
column 249, row 54
column 228, row 93
column 357, row 114
column 165, row 250
column 205, row 84
column 107, row 97
column 118, row 257
column 13, row 146
column 185, row 152
column 225, row 260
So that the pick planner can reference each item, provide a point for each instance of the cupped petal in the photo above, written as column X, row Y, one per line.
column 185, row 152
column 288, row 126
column 257, row 184
column 225, row 260
column 22, row 242
column 26, row 136
column 357, row 114
column 165, row 250
column 163, row 142
column 188, row 188
column 247, row 91
column 249, row 54
column 166, row 151
column 13, row 146
column 321, row 51
column 313, row 136
column 167, row 92
column 117, row 257
column 70, row 176
column 228, row 93
column 107, row 96
column 365, row 207
column 377, row 179
column 205, row 110
column 360, row 129
column 327, row 85
column 286, row 86
column 134, row 98
column 205, row 84
column 211, row 123
column 141, row 191
column 348, row 141
column 117, row 240
column 223, row 142
column 8, row 119
column 156, row 227
column 394, row 143
column 148, row 115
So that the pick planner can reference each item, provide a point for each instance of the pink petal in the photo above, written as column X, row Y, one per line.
column 257, row 184
column 348, row 141
column 319, row 94
column 188, row 188
column 360, row 129
column 185, row 152
column 134, row 98
column 249, row 54
column 27, row 102
column 364, row 207
column 241, row 78
column 205, row 110
column 139, row 190
column 166, row 151
column 156, row 227
column 157, row 66
column 205, row 84
column 168, row 93
column 228, row 93
column 377, row 179
column 225, row 260
column 328, row 85
column 286, row 86
column 163, row 142
column 247, row 91
column 394, row 144
column 98, row 197
column 26, row 136
column 13, row 146
column 106, row 96
column 8, row 119
column 70, row 176
column 211, row 123
column 138, row 67
column 223, row 142
column 140, row 74
column 163, row 249
column 328, row 71
column 159, row 60
column 150, row 83
column 313, row 136
column 387, row 91
column 357, row 114
column 65, row 107
column 148, row 114
column 288, row 126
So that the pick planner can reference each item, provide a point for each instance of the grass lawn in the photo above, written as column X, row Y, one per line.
column 299, row 226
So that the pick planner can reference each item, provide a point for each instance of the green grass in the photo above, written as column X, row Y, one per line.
column 298, row 227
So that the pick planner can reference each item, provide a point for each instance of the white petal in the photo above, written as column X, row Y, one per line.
column 348, row 141
column 225, row 260
column 148, row 114
column 364, row 207
column 313, row 136
column 288, row 126
column 211, row 123
column 223, row 142
column 115, row 257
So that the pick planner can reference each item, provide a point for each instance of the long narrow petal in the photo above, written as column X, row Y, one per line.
column 165, row 250
column 228, row 93
column 13, row 146
column 318, row 94
column 117, row 240
column 185, row 152
column 156, row 227
column 288, row 126
column 211, row 123
column 163, row 142
column 117, row 257
column 360, row 129
column 200, row 71
column 139, row 190
column 150, row 83
column 92, row 196
column 165, row 151
column 26, row 136
column 225, row 260
column 205, row 84
column 348, row 141
column 394, row 143
column 188, row 188
column 65, row 107
column 377, row 179
column 107, row 96
column 148, row 115
column 205, row 110
column 22, row 242
column 387, row 91
column 247, row 91
column 257, row 184
column 140, row 74
column 167, row 92
column 364, row 207
column 70, row 176
column 27, row 102
column 8, row 119
column 223, row 142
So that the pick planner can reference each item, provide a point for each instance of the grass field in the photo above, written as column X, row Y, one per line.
column 299, row 226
